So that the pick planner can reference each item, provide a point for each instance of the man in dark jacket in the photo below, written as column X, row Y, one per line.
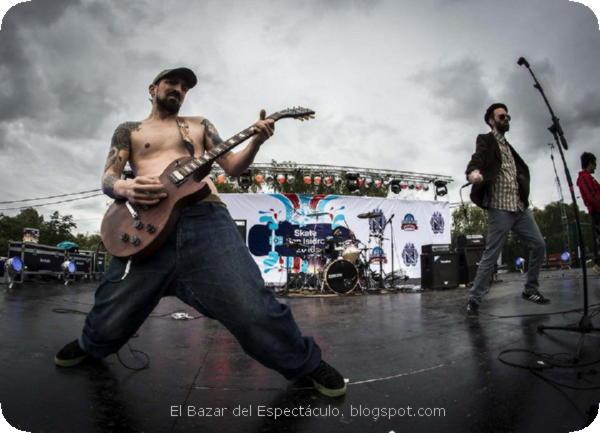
column 500, row 180
column 590, row 194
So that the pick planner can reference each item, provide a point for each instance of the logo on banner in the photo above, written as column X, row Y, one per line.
column 378, row 255
column 437, row 223
column 409, row 223
column 410, row 255
column 376, row 221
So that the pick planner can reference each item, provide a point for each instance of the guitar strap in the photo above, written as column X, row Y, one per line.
column 185, row 135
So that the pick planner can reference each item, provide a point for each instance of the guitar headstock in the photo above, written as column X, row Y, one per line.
column 300, row 113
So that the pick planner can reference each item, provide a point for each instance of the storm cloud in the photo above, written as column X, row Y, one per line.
column 395, row 84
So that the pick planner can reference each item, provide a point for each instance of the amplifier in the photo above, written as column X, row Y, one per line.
column 470, row 241
column 83, row 261
column 37, row 259
column 439, row 270
column 99, row 265
column 436, row 248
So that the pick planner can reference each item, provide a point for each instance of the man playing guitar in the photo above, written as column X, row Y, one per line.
column 204, row 261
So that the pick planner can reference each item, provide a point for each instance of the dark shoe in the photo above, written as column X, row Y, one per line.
column 535, row 297
column 70, row 355
column 472, row 309
column 327, row 380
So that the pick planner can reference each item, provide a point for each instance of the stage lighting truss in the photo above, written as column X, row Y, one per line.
column 328, row 176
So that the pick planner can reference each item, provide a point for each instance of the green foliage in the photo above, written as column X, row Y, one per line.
column 58, row 228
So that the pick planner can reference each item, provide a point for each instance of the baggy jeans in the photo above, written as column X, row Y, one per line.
column 500, row 222
column 206, row 264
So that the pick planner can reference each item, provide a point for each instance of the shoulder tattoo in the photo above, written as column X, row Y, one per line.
column 210, row 133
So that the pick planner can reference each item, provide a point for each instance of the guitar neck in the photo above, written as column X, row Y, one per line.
column 202, row 165
column 204, row 162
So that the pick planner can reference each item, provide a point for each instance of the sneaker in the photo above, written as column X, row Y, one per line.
column 472, row 309
column 327, row 380
column 535, row 297
column 70, row 355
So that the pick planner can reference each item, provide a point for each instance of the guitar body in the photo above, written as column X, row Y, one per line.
column 126, row 236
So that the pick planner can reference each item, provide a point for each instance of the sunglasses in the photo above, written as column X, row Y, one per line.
column 504, row 117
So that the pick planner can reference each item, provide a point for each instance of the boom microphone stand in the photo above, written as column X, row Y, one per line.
column 585, row 323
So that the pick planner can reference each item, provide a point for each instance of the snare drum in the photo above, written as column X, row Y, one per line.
column 341, row 276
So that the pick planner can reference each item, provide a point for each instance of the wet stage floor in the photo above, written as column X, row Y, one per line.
column 399, row 350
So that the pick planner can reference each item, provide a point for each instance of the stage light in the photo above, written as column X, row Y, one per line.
column 14, row 264
column 307, row 180
column 352, row 182
column 520, row 264
column 244, row 180
column 68, row 267
column 440, row 188
column 395, row 186
column 13, row 267
column 281, row 179
column 317, row 180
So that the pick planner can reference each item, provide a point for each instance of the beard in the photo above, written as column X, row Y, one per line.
column 503, row 127
column 170, row 105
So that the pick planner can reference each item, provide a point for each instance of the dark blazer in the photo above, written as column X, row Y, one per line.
column 488, row 160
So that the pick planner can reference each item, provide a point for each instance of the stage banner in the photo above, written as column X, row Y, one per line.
column 304, row 232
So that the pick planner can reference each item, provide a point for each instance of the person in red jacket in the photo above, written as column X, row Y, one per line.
column 590, row 194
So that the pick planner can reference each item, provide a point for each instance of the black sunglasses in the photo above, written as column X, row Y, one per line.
column 504, row 116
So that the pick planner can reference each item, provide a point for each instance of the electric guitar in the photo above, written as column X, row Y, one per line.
column 138, row 231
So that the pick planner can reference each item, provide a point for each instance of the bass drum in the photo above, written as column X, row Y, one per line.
column 340, row 276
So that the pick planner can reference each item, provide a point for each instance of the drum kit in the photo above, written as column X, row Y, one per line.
column 342, row 265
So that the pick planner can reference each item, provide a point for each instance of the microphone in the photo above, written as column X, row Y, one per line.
column 522, row 61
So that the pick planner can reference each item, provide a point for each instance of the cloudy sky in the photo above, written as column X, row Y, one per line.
column 395, row 84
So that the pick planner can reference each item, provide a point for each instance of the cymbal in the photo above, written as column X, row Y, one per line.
column 368, row 215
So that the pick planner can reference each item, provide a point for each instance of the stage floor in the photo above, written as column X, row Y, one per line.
column 398, row 350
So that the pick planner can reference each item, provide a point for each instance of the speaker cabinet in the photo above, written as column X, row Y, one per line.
column 468, row 262
column 439, row 270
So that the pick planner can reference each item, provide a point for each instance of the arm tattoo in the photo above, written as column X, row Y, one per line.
column 210, row 133
column 108, row 185
column 118, row 155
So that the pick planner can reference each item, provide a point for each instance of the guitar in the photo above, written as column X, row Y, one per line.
column 138, row 231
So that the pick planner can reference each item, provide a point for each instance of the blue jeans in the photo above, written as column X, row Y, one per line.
column 206, row 264
column 500, row 222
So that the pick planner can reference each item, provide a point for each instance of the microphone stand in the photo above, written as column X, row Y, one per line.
column 585, row 323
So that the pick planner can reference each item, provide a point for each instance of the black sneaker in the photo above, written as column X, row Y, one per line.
column 472, row 309
column 327, row 380
column 70, row 355
column 535, row 297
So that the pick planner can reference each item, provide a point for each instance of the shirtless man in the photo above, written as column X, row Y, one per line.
column 205, row 263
